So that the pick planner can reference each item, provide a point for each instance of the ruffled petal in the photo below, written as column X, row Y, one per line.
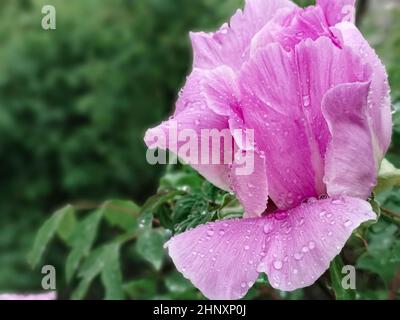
column 223, row 259
column 191, row 118
column 281, row 97
column 230, row 45
column 379, row 103
column 350, row 165
column 338, row 10
column 291, row 27
column 303, row 241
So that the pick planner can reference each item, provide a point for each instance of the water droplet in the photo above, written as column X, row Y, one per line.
column 304, row 249
column 348, row 224
column 306, row 100
column 243, row 284
column 330, row 233
column 301, row 222
column 267, row 228
column 298, row 255
column 221, row 232
column 197, row 122
column 337, row 201
column 210, row 233
column 311, row 245
column 295, row 271
column 262, row 253
column 278, row 265
column 246, row 248
column 288, row 230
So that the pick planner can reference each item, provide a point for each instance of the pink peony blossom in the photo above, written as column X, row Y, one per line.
column 317, row 97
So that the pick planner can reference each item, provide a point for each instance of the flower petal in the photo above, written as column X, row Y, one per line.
column 281, row 97
column 338, row 10
column 220, row 258
column 304, row 240
column 249, row 181
column 229, row 46
column 379, row 104
column 291, row 27
column 51, row 295
column 350, row 166
column 223, row 259
column 220, row 89
column 191, row 117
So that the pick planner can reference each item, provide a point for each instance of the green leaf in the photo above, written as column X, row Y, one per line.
column 121, row 213
column 336, row 274
column 91, row 268
column 184, row 179
column 111, row 275
column 81, row 241
column 389, row 177
column 46, row 234
column 145, row 288
column 103, row 261
column 175, row 282
column 150, row 247
column 67, row 226
column 381, row 257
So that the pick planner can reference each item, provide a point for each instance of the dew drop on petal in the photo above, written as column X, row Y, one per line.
column 267, row 228
column 348, row 224
column 298, row 255
column 306, row 100
column 278, row 265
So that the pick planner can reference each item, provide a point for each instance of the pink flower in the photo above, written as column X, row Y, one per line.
column 317, row 97
column 52, row 295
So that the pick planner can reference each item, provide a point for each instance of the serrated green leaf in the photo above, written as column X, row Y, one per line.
column 46, row 234
column 111, row 275
column 150, row 247
column 81, row 241
column 91, row 267
column 380, row 257
column 103, row 261
column 389, row 177
column 121, row 213
column 336, row 274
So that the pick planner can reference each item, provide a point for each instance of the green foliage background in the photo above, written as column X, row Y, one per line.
column 74, row 105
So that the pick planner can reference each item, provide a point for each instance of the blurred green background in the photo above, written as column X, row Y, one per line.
column 75, row 102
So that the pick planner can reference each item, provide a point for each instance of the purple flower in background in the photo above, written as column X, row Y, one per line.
column 317, row 98
column 52, row 295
